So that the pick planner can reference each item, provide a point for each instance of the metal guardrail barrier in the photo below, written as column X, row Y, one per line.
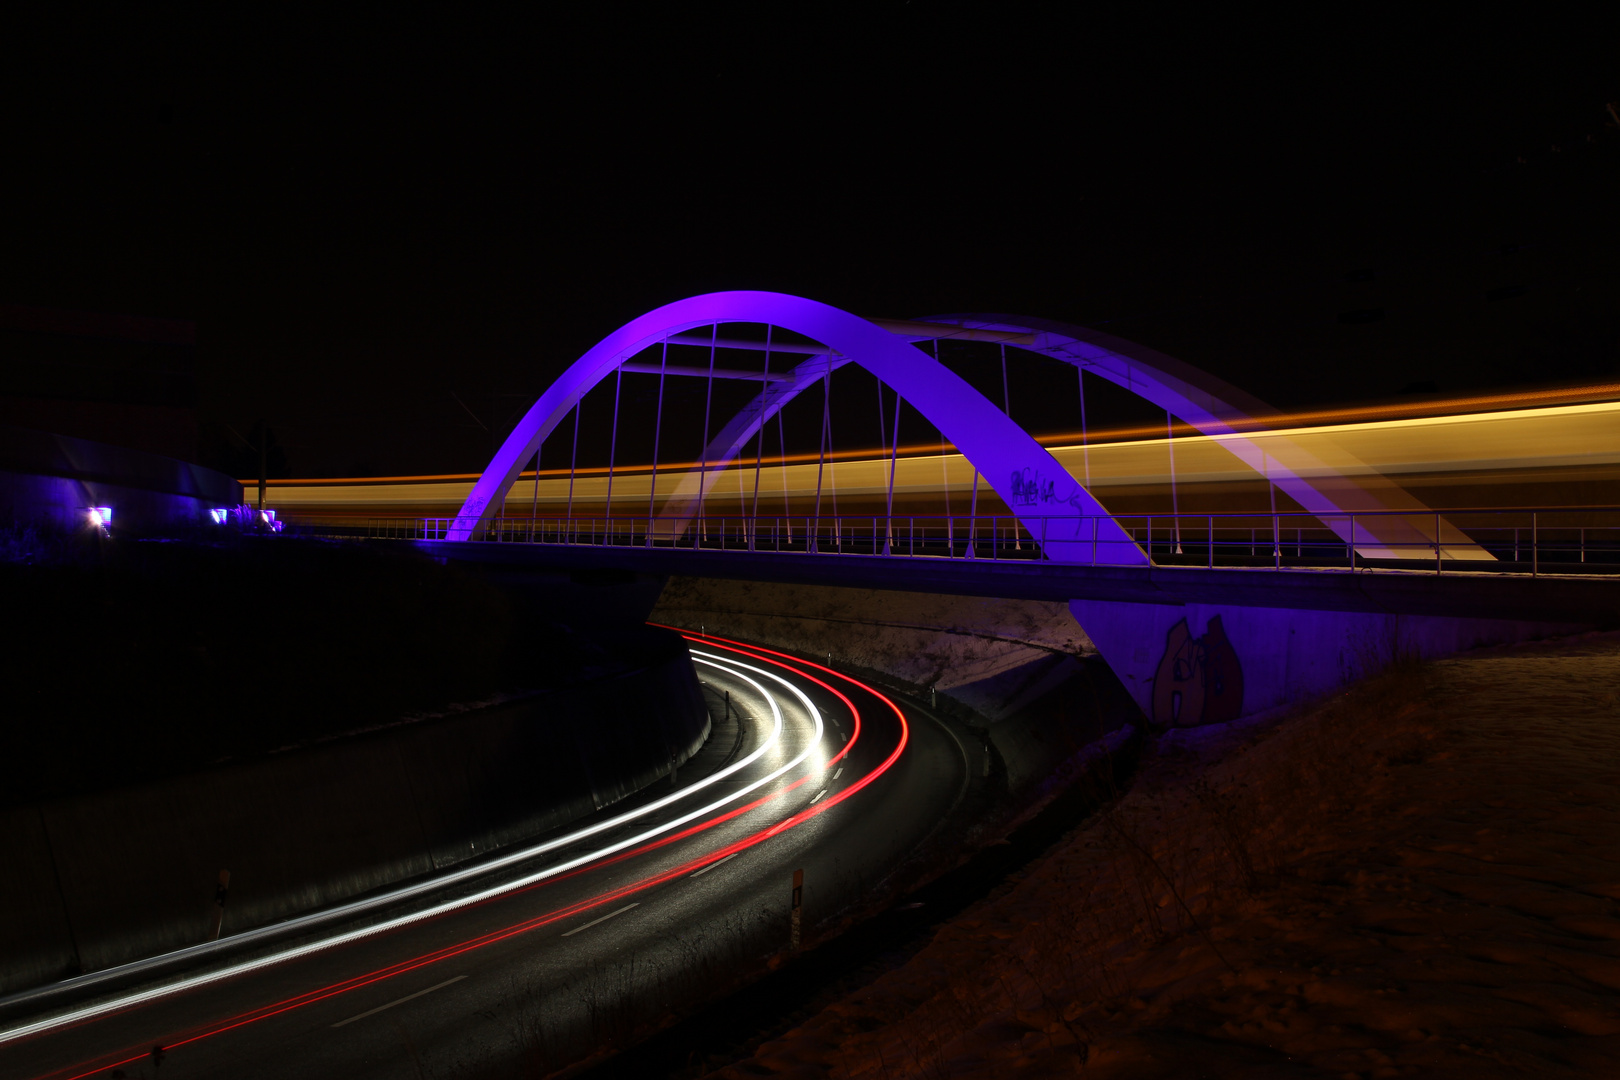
column 1533, row 540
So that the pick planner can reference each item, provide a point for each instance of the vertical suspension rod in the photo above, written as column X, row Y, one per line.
column 821, row 460
column 1006, row 407
column 708, row 402
column 658, row 429
column 1175, row 506
column 781, row 442
column 534, row 506
column 944, row 469
column 1085, row 441
column 1276, row 522
column 573, row 460
column 759, row 446
column 613, row 450
column 894, row 456
column 832, row 466
column 1006, row 397
column 883, row 447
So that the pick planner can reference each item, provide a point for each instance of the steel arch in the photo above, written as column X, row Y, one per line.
column 1332, row 489
column 1003, row 452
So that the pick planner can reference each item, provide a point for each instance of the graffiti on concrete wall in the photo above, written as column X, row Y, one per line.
column 1199, row 680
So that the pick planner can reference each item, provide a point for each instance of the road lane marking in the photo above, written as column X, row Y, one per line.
column 818, row 797
column 842, row 737
column 398, row 1001
column 839, row 773
column 604, row 918
column 714, row 864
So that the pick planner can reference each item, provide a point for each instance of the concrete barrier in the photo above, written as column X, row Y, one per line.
column 102, row 879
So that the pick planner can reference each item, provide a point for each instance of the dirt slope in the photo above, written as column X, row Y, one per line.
column 1420, row 878
column 990, row 655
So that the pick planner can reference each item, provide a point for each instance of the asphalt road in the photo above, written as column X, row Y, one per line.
column 526, row 966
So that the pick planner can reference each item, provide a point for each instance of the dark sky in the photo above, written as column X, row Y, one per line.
column 367, row 217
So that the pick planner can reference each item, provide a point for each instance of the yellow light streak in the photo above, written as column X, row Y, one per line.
column 1505, row 442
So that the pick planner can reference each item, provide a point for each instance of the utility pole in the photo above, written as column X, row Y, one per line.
column 264, row 439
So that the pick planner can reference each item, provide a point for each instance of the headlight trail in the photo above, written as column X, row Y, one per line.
column 300, row 923
column 569, row 868
column 191, row 982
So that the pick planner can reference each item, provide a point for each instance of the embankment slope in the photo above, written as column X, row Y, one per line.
column 1419, row 877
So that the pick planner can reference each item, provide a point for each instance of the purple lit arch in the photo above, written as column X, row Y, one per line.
column 1331, row 482
column 997, row 447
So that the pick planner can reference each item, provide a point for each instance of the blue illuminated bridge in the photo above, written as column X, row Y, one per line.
column 1290, row 595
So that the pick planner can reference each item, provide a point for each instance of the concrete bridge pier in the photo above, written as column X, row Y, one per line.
column 1190, row 664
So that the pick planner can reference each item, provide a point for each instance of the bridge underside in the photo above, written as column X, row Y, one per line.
column 1192, row 645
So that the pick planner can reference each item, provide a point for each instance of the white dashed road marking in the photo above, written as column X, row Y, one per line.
column 398, row 1001
column 711, row 866
column 603, row 919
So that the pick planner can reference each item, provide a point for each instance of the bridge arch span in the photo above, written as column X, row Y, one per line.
column 1049, row 502
column 1330, row 483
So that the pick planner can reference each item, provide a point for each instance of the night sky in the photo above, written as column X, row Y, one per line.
column 371, row 218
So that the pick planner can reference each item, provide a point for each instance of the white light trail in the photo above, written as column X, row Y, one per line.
column 189, row 982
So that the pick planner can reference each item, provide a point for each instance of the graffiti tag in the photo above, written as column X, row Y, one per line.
column 1030, row 488
column 1199, row 680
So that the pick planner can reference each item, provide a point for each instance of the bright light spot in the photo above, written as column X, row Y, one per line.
column 219, row 516
column 100, row 516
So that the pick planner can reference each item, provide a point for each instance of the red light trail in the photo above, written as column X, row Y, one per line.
column 480, row 941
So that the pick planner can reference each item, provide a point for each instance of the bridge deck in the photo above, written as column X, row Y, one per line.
column 1584, row 598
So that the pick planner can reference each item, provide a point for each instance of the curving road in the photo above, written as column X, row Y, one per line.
column 533, row 957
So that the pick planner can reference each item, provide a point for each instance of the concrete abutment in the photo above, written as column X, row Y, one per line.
column 1191, row 664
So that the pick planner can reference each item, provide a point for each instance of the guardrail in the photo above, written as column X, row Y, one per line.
column 1533, row 540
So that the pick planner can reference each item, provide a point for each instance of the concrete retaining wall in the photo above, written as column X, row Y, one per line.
column 1023, row 666
column 99, row 880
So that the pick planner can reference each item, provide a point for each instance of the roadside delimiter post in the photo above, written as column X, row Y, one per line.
column 220, row 891
column 798, row 906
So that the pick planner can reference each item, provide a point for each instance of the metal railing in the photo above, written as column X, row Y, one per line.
column 938, row 535
column 1532, row 540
